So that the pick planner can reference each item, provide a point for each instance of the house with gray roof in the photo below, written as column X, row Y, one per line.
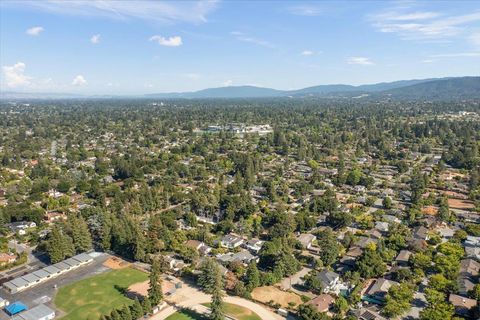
column 328, row 279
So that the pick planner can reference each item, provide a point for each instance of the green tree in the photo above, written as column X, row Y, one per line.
column 59, row 245
column 216, row 306
column 136, row 309
column 387, row 203
column 80, row 234
column 146, row 306
column 125, row 313
column 252, row 277
column 55, row 245
column 370, row 264
column 329, row 247
column 341, row 305
column 207, row 278
column 437, row 308
column 155, row 293
column 114, row 315
column 308, row 312
column 398, row 299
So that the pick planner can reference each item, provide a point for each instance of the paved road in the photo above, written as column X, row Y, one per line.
column 190, row 297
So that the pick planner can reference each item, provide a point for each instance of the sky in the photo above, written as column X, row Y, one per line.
column 137, row 47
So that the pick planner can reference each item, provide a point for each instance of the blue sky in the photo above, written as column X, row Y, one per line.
column 122, row 47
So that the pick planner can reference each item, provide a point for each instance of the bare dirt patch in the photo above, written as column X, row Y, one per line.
column 270, row 293
column 461, row 204
column 430, row 210
column 140, row 289
column 116, row 263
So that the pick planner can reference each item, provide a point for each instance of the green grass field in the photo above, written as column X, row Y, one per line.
column 90, row 298
column 233, row 310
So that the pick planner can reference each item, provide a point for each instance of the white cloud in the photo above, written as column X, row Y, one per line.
column 428, row 61
column 307, row 53
column 15, row 76
column 412, row 16
column 246, row 38
column 475, row 39
column 95, row 39
column 228, row 83
column 305, row 10
column 193, row 76
column 158, row 11
column 174, row 41
column 456, row 55
column 423, row 25
column 34, row 31
column 359, row 60
column 79, row 81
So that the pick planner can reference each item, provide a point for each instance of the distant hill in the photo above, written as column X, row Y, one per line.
column 223, row 92
column 444, row 89
column 424, row 89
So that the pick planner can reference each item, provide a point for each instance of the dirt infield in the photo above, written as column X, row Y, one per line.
column 140, row 289
column 461, row 204
column 270, row 293
column 116, row 263
column 430, row 210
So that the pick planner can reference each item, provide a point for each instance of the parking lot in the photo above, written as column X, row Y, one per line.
column 45, row 292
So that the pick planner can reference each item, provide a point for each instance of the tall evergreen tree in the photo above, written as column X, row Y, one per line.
column 216, row 306
column 125, row 313
column 55, row 245
column 207, row 278
column 155, row 294
column 80, row 234
column 136, row 309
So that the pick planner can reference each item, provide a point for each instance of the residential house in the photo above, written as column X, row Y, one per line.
column 382, row 226
column 174, row 264
column 306, row 239
column 420, row 233
column 403, row 257
column 328, row 279
column 21, row 226
column 370, row 313
column 472, row 247
column 322, row 303
column 377, row 292
column 469, row 270
column 254, row 245
column 231, row 241
column 363, row 242
column 51, row 217
column 464, row 307
column 201, row 247
column 7, row 258
column 244, row 257
column 360, row 189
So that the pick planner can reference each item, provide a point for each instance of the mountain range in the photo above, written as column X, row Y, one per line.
column 425, row 89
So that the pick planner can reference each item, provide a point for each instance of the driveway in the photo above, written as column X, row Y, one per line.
column 287, row 283
column 190, row 297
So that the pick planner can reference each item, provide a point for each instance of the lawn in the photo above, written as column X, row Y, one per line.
column 233, row 310
column 98, row 295
column 186, row 315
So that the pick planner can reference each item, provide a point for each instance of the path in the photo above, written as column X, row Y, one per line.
column 190, row 297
